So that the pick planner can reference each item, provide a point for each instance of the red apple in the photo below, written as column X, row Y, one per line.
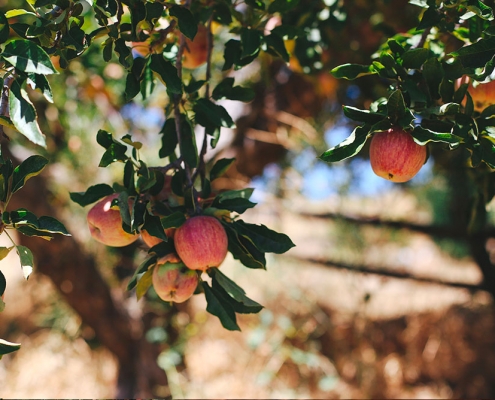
column 153, row 240
column 201, row 242
column 173, row 281
column 394, row 155
column 196, row 51
column 105, row 224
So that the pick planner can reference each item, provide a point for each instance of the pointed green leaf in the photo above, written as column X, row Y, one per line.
column 167, row 73
column 188, row 148
column 352, row 71
column 94, row 193
column 169, row 138
column 187, row 23
column 365, row 116
column 423, row 136
column 52, row 225
column 234, row 290
column 415, row 58
column 27, row 260
column 263, row 238
column 153, row 226
column 244, row 250
column 23, row 114
column 3, row 281
column 250, row 42
column 27, row 56
column 349, row 147
column 211, row 115
column 4, row 28
column 476, row 55
column 145, row 265
column 30, row 167
column 39, row 82
column 4, row 252
column 8, row 347
column 220, row 309
column 220, row 167
column 144, row 283
column 173, row 220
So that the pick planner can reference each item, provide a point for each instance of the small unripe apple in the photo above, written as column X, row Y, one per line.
column 395, row 156
column 105, row 224
column 173, row 281
column 196, row 51
column 151, row 241
column 201, row 242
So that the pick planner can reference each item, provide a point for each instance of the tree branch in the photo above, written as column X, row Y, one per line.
column 451, row 232
column 390, row 273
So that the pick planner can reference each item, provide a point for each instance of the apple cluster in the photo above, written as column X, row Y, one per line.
column 200, row 243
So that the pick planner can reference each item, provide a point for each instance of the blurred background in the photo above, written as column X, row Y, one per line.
column 385, row 294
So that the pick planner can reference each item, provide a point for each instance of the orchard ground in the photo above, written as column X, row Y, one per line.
column 323, row 333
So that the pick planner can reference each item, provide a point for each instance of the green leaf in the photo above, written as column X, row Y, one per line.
column 244, row 250
column 3, row 281
column 236, row 292
column 153, row 226
column 476, row 55
column 52, row 225
column 116, row 151
column 250, row 42
column 227, row 90
column 145, row 265
column 352, row 71
column 282, row 6
column 8, row 347
column 423, row 136
column 173, row 220
column 265, row 239
column 30, row 167
column 27, row 56
column 91, row 195
column 188, row 148
column 132, row 87
column 349, row 147
column 27, row 260
column 277, row 44
column 211, row 115
column 23, row 114
column 144, row 283
column 232, row 54
column 124, row 52
column 220, row 309
column 433, row 73
column 187, row 23
column 4, row 28
column 220, row 167
column 258, row 4
column 234, row 200
column 396, row 107
column 167, row 73
column 39, row 82
column 169, row 138
column 415, row 58
column 4, row 251
column 365, row 116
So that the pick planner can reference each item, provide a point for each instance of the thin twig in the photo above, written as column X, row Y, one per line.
column 4, row 102
column 201, row 170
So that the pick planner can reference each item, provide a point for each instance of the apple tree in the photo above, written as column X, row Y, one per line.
column 430, row 79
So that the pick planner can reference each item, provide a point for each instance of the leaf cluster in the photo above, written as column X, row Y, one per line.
column 427, row 97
